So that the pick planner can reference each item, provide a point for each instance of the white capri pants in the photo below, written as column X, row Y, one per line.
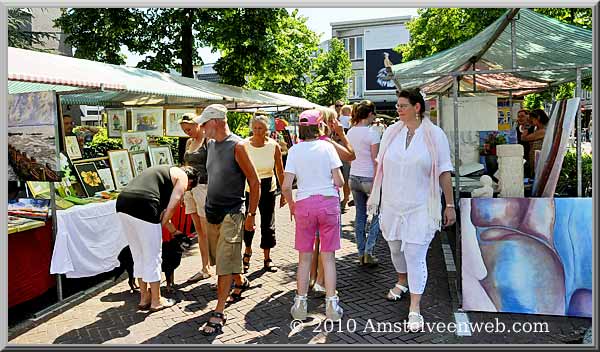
column 413, row 260
column 145, row 242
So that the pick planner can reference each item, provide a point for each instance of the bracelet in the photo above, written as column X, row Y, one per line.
column 449, row 205
column 251, row 214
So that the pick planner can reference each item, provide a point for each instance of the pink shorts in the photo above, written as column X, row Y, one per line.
column 318, row 213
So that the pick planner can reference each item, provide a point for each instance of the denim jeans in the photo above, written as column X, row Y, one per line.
column 361, row 188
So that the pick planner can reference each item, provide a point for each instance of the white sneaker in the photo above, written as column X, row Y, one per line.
column 332, row 309
column 415, row 322
column 299, row 309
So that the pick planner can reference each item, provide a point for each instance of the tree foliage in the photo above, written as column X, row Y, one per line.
column 330, row 74
column 19, row 19
column 288, row 71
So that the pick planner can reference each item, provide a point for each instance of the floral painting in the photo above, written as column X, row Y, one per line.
column 117, row 122
column 135, row 142
column 89, row 178
column 148, row 120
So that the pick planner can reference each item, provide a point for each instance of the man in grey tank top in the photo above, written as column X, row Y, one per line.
column 228, row 167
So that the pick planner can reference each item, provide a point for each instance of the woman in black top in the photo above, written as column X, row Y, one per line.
column 145, row 205
column 195, row 156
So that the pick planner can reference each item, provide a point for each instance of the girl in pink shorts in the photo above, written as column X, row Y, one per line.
column 316, row 166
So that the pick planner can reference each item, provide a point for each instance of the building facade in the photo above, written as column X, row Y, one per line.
column 368, row 43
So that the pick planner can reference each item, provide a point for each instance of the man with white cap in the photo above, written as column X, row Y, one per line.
column 228, row 166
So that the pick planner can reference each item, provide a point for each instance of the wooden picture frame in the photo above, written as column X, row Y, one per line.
column 72, row 148
column 116, row 123
column 149, row 120
column 160, row 156
column 135, row 142
column 172, row 126
column 120, row 166
column 106, row 176
column 89, row 178
column 138, row 163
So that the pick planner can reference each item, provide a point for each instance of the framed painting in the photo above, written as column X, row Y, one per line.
column 89, row 178
column 161, row 156
column 172, row 126
column 149, row 120
column 107, row 179
column 72, row 147
column 135, row 142
column 117, row 122
column 121, row 167
column 39, row 189
column 139, row 163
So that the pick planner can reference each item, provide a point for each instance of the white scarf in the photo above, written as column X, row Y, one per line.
column 434, row 206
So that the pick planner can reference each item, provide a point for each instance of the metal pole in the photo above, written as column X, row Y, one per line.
column 513, row 44
column 510, row 106
column 58, row 126
column 578, row 124
column 457, row 237
column 474, row 79
column 59, row 290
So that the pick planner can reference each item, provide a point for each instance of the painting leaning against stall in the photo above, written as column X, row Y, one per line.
column 527, row 255
column 32, row 151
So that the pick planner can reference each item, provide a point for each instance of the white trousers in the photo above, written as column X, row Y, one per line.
column 145, row 242
column 413, row 260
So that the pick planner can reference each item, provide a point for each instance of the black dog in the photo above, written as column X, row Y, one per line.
column 171, row 259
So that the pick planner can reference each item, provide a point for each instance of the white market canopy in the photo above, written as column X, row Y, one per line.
column 107, row 84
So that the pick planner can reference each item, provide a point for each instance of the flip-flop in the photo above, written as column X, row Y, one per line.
column 143, row 306
column 167, row 304
column 201, row 275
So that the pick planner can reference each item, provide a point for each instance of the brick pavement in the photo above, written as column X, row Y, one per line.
column 263, row 317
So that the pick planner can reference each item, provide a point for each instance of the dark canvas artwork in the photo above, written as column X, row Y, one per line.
column 89, row 178
column 375, row 71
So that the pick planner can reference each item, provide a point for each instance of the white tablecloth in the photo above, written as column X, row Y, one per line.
column 89, row 239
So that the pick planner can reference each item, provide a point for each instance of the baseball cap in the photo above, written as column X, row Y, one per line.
column 187, row 118
column 214, row 111
column 310, row 118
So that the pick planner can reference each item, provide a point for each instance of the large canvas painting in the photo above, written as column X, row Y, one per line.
column 554, row 147
column 148, row 120
column 527, row 255
column 172, row 126
column 32, row 150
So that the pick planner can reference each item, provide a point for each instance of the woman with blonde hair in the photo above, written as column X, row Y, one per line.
column 265, row 154
column 194, row 199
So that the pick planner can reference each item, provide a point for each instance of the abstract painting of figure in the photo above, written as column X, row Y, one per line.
column 527, row 255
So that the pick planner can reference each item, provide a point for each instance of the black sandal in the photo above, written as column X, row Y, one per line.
column 246, row 263
column 217, row 327
column 236, row 297
column 270, row 268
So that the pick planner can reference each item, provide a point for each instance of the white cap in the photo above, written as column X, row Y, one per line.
column 214, row 111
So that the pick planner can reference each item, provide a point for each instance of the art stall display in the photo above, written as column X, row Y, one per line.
column 72, row 147
column 148, row 120
column 121, row 167
column 527, row 255
column 117, row 122
column 39, row 189
column 89, row 178
column 554, row 147
column 161, row 156
column 139, row 163
column 107, row 180
column 172, row 126
column 32, row 149
column 135, row 142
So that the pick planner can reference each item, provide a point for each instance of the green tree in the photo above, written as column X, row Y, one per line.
column 288, row 71
column 18, row 34
column 330, row 74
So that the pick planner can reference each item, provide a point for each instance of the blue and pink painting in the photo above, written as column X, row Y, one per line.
column 527, row 255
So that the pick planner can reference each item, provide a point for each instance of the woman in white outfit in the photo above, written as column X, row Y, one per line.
column 413, row 168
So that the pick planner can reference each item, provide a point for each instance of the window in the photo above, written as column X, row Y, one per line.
column 354, row 47
column 355, row 85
